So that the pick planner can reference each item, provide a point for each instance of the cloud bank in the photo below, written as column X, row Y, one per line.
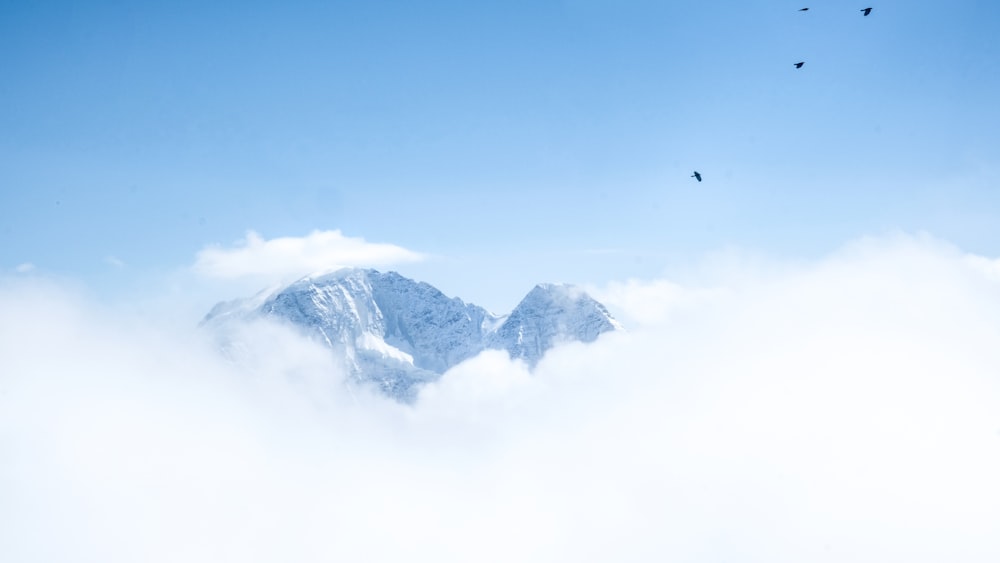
column 844, row 410
column 285, row 257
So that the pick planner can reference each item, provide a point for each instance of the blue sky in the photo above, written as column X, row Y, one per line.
column 508, row 142
column 835, row 378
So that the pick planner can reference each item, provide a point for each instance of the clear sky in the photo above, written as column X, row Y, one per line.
column 508, row 143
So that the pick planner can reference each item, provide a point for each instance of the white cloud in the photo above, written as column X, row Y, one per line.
column 845, row 410
column 24, row 268
column 296, row 256
column 114, row 262
column 989, row 266
column 639, row 303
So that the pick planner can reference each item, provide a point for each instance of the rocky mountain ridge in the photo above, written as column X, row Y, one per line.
column 397, row 333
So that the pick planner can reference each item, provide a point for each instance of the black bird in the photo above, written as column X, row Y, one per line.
column 799, row 65
column 696, row 175
column 867, row 11
column 803, row 9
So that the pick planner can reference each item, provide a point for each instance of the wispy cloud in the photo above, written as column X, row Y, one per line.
column 989, row 266
column 284, row 257
column 641, row 303
column 24, row 268
column 841, row 410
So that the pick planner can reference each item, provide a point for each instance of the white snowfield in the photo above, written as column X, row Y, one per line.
column 396, row 333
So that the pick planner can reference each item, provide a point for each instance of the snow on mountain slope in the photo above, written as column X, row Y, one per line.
column 548, row 315
column 397, row 333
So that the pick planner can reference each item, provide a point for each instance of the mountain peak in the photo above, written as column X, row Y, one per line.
column 552, row 313
column 397, row 333
column 556, row 291
column 325, row 276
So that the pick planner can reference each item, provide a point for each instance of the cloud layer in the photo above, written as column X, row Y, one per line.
column 845, row 410
column 285, row 257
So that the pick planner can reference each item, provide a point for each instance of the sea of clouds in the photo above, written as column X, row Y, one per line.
column 845, row 409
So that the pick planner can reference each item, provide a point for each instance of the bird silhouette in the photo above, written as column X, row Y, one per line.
column 867, row 11
column 696, row 175
column 799, row 65
column 803, row 9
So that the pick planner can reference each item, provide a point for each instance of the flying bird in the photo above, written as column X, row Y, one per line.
column 867, row 11
column 696, row 175
column 799, row 65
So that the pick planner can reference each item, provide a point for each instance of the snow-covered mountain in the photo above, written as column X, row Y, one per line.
column 398, row 333
column 548, row 315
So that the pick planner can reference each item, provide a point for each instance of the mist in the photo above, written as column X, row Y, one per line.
column 845, row 409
